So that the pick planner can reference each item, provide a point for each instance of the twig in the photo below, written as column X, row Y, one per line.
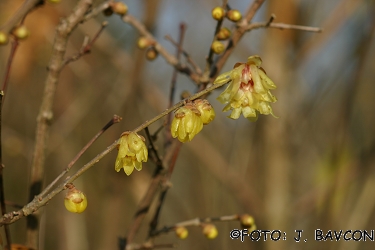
column 282, row 26
column 2, row 196
column 148, row 246
column 162, row 51
column 158, row 161
column 13, row 50
column 20, row 14
column 115, row 119
column 38, row 202
column 96, row 11
column 186, row 54
column 86, row 48
column 45, row 115
column 165, row 187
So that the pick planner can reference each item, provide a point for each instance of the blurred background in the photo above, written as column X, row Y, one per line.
column 313, row 168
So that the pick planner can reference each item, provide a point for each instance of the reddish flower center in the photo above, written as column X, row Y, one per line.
column 246, row 81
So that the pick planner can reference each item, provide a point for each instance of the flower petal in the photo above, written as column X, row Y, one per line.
column 256, row 60
column 224, row 77
column 258, row 86
column 267, row 82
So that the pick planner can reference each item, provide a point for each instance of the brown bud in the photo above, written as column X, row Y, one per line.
column 181, row 232
column 217, row 47
column 151, row 53
column 144, row 42
column 21, row 32
column 247, row 220
column 218, row 13
column 223, row 34
column 210, row 231
column 234, row 15
column 119, row 8
column 3, row 38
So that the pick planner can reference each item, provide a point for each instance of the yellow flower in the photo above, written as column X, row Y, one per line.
column 207, row 111
column 186, row 123
column 132, row 152
column 249, row 90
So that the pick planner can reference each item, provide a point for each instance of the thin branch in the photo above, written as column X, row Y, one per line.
column 86, row 48
column 186, row 55
column 96, row 11
column 158, row 160
column 26, row 8
column 162, row 51
column 165, row 187
column 38, row 202
column 45, row 115
column 13, row 50
column 282, row 26
column 2, row 196
column 115, row 119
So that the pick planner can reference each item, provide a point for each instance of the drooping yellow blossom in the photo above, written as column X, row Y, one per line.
column 207, row 111
column 249, row 90
column 131, row 153
column 186, row 123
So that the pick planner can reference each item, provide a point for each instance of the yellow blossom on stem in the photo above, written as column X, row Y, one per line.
column 249, row 90
column 186, row 123
column 75, row 200
column 131, row 153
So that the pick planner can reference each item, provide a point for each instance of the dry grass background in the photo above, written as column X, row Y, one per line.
column 311, row 168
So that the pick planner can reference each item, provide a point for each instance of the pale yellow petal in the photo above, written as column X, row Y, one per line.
column 224, row 77
column 235, row 113
column 258, row 86
column 138, row 165
column 256, row 60
column 267, row 82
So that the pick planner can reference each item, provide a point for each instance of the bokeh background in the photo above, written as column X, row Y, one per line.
column 312, row 168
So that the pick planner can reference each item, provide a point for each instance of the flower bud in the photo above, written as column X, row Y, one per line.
column 247, row 221
column 210, row 231
column 21, row 32
column 234, row 15
column 75, row 200
column 186, row 123
column 144, row 42
column 181, row 232
column 119, row 8
column 151, row 53
column 223, row 34
column 217, row 47
column 3, row 38
column 218, row 13
column 207, row 111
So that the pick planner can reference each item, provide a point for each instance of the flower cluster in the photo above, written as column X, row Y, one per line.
column 249, row 90
column 189, row 120
column 132, row 152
